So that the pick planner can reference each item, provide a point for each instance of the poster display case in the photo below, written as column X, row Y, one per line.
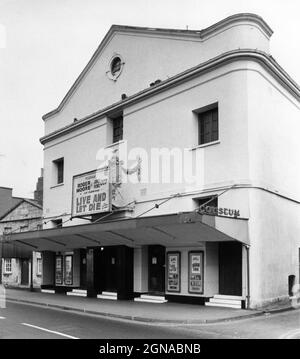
column 173, row 271
column 59, row 270
column 68, row 270
column 64, row 269
column 196, row 272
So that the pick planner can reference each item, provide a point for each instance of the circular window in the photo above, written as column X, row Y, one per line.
column 115, row 65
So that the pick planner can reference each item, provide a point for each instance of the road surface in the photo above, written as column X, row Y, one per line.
column 26, row 321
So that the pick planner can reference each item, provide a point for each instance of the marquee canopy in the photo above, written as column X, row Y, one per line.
column 167, row 230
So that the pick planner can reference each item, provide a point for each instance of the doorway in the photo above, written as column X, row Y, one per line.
column 230, row 268
column 156, row 269
column 83, row 268
column 24, row 271
column 111, row 269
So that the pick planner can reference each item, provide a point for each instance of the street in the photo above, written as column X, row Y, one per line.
column 27, row 321
column 33, row 322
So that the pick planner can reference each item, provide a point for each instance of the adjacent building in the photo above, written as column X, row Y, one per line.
column 20, row 265
column 171, row 170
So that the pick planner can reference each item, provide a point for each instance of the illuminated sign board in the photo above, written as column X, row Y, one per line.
column 91, row 193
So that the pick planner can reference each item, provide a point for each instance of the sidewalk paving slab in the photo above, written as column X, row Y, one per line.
column 173, row 313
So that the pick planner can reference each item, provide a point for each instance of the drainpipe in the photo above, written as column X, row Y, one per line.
column 248, row 278
column 31, row 273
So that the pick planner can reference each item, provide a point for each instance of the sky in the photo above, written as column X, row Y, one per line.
column 44, row 45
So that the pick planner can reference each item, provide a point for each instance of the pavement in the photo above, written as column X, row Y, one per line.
column 137, row 311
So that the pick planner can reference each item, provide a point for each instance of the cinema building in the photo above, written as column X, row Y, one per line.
column 120, row 226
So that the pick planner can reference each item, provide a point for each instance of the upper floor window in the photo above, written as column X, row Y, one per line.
column 207, row 201
column 117, row 129
column 7, row 265
column 24, row 228
column 208, row 126
column 7, row 230
column 115, row 65
column 59, row 169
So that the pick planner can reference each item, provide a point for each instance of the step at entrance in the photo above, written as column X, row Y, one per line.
column 151, row 299
column 78, row 292
column 108, row 295
column 226, row 301
column 49, row 291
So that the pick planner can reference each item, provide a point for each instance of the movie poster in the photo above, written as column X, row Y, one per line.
column 58, row 270
column 68, row 270
column 196, row 272
column 174, row 272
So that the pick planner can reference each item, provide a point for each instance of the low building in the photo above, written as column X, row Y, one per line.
column 172, row 170
column 20, row 266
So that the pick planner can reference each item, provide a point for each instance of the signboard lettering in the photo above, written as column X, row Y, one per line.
column 219, row 211
column 91, row 193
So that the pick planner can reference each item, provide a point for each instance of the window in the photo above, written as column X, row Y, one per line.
column 117, row 129
column 207, row 201
column 23, row 228
column 57, row 223
column 115, row 65
column 39, row 266
column 59, row 170
column 7, row 230
column 7, row 266
column 208, row 126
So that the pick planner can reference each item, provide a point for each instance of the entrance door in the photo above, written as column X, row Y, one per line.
column 83, row 268
column 230, row 268
column 156, row 266
column 24, row 271
column 111, row 269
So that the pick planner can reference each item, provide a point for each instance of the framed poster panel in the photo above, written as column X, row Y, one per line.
column 68, row 270
column 59, row 270
column 173, row 271
column 196, row 272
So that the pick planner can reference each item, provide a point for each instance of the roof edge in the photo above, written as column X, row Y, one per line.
column 162, row 31
column 17, row 205
column 236, row 18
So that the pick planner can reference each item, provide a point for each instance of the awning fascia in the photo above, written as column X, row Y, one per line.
column 165, row 227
